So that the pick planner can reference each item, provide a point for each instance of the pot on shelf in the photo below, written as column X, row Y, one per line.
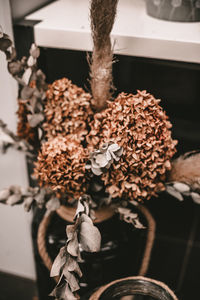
column 134, row 288
column 174, row 10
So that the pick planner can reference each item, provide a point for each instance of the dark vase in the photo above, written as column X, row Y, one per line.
column 118, row 257
column 174, row 10
column 137, row 288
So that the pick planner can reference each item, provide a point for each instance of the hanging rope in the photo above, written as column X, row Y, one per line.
column 41, row 242
column 151, row 229
column 102, row 15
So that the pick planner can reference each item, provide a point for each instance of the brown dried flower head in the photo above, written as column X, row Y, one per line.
column 61, row 166
column 24, row 130
column 139, row 125
column 67, row 110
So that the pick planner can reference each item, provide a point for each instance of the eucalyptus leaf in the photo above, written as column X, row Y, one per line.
column 181, row 187
column 5, row 43
column 90, row 237
column 113, row 147
column 34, row 51
column 40, row 133
column 138, row 224
column 85, row 218
column 26, row 92
column 28, row 202
column 59, row 262
column 53, row 204
column 40, row 198
column 170, row 190
column 101, row 160
column 73, row 246
column 59, row 292
column 14, row 67
column 69, row 295
column 27, row 75
column 4, row 194
column 195, row 197
column 80, row 208
column 96, row 171
column 73, row 266
column 71, row 279
column 13, row 199
column 16, row 189
column 31, row 61
column 35, row 119
column 70, row 230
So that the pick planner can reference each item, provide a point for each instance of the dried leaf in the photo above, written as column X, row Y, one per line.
column 58, row 263
column 174, row 193
column 27, row 75
column 4, row 194
column 59, row 292
column 34, row 51
column 195, row 197
column 71, row 279
column 13, row 199
column 5, row 43
column 70, row 230
column 72, row 266
column 35, row 119
column 73, row 246
column 80, row 208
column 53, row 204
column 28, row 202
column 90, row 237
column 14, row 67
column 86, row 218
column 26, row 92
column 31, row 61
column 181, row 187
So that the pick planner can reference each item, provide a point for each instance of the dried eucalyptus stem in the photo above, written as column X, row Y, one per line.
column 15, row 194
column 9, row 139
column 81, row 235
column 31, row 80
column 102, row 19
column 184, row 177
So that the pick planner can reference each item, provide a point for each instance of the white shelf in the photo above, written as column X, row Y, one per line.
column 65, row 24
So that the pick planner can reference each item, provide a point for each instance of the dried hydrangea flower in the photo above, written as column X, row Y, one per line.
column 61, row 166
column 24, row 131
column 67, row 110
column 103, row 158
column 139, row 125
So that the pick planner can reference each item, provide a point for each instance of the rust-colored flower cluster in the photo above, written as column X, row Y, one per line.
column 61, row 166
column 139, row 125
column 24, row 130
column 67, row 110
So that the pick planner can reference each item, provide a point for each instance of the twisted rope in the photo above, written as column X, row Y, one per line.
column 41, row 241
column 151, row 225
column 102, row 15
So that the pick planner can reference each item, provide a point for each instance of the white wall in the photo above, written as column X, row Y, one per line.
column 15, row 237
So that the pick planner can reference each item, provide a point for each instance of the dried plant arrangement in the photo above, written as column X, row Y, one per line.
column 91, row 151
